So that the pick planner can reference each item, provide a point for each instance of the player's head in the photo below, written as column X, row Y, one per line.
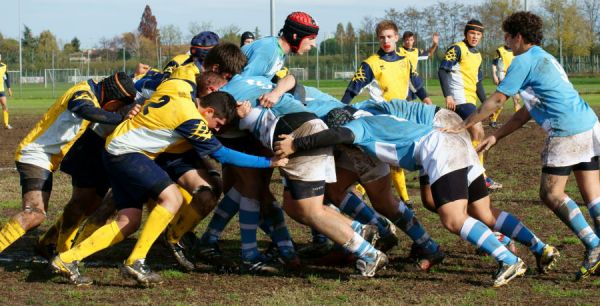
column 209, row 82
column 202, row 43
column 247, row 37
column 117, row 89
column 218, row 108
column 473, row 32
column 387, row 33
column 526, row 25
column 408, row 39
column 300, row 32
column 339, row 116
column 226, row 59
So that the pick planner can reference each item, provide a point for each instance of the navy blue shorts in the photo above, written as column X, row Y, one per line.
column 177, row 164
column 34, row 178
column 2, row 94
column 83, row 163
column 134, row 179
column 465, row 110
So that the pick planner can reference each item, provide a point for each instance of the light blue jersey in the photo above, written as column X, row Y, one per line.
column 547, row 93
column 320, row 103
column 416, row 112
column 265, row 57
column 388, row 138
column 252, row 87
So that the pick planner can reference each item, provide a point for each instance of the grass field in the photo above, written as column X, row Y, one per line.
column 463, row 279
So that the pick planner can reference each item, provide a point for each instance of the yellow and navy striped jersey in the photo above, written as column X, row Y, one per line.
column 175, row 62
column 464, row 66
column 169, row 122
column 413, row 56
column 63, row 123
column 391, row 72
column 502, row 60
column 4, row 80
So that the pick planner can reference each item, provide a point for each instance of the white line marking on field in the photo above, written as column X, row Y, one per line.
column 8, row 169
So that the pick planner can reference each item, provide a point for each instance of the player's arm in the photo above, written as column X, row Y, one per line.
column 7, row 84
column 284, row 85
column 330, row 137
column 197, row 133
column 362, row 77
column 514, row 123
column 495, row 67
column 82, row 105
column 451, row 58
column 435, row 39
column 480, row 91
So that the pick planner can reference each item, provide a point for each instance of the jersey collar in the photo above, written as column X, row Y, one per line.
column 389, row 56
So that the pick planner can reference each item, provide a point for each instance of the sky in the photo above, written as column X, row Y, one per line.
column 91, row 20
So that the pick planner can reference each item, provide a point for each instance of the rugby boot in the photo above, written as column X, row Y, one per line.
column 211, row 254
column 388, row 242
column 141, row 273
column 507, row 272
column 547, row 260
column 260, row 265
column 590, row 263
column 366, row 269
column 70, row 271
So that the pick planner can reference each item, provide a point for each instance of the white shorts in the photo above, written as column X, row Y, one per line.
column 312, row 165
column 368, row 168
column 440, row 153
column 446, row 118
column 571, row 150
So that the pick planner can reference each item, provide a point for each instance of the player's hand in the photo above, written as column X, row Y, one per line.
column 285, row 146
column 279, row 161
column 456, row 129
column 133, row 111
column 10, row 92
column 496, row 81
column 269, row 99
column 450, row 104
column 486, row 144
column 243, row 108
column 435, row 38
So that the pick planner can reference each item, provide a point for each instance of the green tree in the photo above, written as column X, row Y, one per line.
column 76, row 44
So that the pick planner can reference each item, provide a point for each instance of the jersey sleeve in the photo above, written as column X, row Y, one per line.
column 515, row 77
column 203, row 141
column 362, row 77
column 325, row 138
column 451, row 58
column 7, row 80
column 82, row 104
column 496, row 58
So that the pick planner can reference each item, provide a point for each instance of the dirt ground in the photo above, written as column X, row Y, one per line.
column 464, row 278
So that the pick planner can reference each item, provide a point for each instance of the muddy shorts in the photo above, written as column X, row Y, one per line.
column 571, row 150
column 367, row 168
column 34, row 178
column 446, row 118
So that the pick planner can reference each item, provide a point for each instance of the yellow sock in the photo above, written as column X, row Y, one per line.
column 188, row 219
column 400, row 183
column 475, row 144
column 51, row 235
column 360, row 189
column 495, row 115
column 66, row 235
column 104, row 237
column 10, row 232
column 5, row 115
column 88, row 229
column 157, row 221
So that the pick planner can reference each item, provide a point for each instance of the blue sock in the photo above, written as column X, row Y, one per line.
column 482, row 237
column 280, row 234
column 409, row 224
column 361, row 248
column 356, row 226
column 227, row 208
column 356, row 208
column 510, row 226
column 570, row 214
column 249, row 218
column 594, row 210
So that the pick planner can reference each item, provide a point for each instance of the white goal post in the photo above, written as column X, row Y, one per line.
column 61, row 75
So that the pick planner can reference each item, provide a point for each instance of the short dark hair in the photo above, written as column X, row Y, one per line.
column 407, row 34
column 228, row 56
column 528, row 24
column 223, row 103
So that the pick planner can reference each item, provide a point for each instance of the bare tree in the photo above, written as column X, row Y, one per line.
column 194, row 28
column 170, row 36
